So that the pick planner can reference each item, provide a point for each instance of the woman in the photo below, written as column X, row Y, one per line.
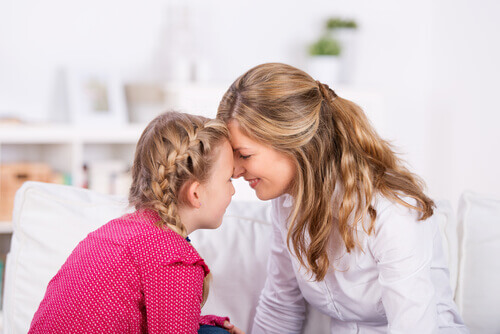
column 353, row 230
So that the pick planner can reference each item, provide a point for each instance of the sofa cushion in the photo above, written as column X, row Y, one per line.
column 49, row 221
column 479, row 268
column 447, row 222
column 231, row 252
column 237, row 254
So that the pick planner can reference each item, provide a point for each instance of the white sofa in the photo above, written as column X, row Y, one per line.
column 49, row 220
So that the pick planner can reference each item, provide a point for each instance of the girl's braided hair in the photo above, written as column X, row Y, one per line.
column 174, row 149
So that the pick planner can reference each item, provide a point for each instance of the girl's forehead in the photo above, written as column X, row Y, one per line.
column 225, row 157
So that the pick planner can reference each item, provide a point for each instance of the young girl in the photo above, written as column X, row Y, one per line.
column 139, row 273
column 353, row 230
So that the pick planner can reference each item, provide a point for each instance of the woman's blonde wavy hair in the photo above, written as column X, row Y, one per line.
column 335, row 150
column 174, row 150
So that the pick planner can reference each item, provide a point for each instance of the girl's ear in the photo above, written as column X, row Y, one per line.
column 192, row 194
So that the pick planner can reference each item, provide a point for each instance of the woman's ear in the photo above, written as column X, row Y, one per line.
column 192, row 194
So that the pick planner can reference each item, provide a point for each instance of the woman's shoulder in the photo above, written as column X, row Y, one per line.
column 390, row 207
column 396, row 218
column 399, row 234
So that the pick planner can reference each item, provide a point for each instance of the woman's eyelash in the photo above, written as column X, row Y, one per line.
column 244, row 156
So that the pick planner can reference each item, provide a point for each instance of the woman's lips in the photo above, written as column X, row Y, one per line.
column 253, row 182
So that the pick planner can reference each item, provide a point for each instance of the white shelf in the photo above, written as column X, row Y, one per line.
column 66, row 148
column 62, row 134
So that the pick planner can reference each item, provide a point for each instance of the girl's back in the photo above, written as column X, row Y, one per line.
column 108, row 283
column 139, row 273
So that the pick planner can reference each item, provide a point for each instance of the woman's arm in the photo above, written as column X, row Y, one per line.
column 281, row 307
column 402, row 247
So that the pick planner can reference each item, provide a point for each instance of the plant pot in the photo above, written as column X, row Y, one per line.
column 325, row 69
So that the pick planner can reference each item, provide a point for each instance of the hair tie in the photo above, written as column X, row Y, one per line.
column 326, row 91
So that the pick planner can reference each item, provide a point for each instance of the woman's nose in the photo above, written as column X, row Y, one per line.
column 238, row 170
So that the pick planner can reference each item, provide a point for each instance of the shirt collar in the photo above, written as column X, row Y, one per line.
column 288, row 201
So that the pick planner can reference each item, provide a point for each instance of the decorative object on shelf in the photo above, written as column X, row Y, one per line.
column 196, row 98
column 96, row 98
column 10, row 120
column 329, row 56
column 66, row 148
column 111, row 177
column 12, row 177
column 324, row 62
column 145, row 101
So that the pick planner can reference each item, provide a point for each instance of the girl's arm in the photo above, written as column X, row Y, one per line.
column 281, row 307
column 213, row 320
column 172, row 274
column 173, row 295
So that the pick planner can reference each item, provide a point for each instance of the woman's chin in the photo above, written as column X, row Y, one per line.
column 263, row 196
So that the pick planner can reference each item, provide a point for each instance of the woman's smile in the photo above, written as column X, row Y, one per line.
column 253, row 182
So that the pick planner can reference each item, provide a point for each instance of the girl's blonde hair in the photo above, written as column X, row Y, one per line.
column 174, row 150
column 335, row 150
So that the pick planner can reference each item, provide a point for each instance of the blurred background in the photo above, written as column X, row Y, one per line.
column 80, row 79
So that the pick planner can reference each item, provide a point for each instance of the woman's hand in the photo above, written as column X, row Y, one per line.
column 232, row 328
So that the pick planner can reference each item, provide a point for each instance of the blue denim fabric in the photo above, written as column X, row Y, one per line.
column 207, row 329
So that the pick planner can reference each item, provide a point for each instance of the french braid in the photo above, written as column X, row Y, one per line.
column 164, row 183
column 174, row 149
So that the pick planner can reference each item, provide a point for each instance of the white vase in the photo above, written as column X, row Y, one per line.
column 325, row 69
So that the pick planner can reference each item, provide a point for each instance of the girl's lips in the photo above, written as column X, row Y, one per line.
column 253, row 182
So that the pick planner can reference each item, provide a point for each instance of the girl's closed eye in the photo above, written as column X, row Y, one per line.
column 244, row 157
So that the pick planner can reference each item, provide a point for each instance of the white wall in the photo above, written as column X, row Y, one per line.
column 433, row 62
column 465, row 88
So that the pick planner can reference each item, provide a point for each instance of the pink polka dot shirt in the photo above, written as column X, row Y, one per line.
column 128, row 276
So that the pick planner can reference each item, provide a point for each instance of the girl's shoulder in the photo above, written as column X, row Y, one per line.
column 150, row 244
column 128, row 227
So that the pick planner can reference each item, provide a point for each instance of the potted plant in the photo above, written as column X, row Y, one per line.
column 323, row 62
column 325, row 46
column 330, row 57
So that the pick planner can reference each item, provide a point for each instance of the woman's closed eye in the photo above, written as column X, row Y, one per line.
column 244, row 157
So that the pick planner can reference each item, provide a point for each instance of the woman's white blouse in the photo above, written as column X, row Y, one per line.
column 399, row 283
